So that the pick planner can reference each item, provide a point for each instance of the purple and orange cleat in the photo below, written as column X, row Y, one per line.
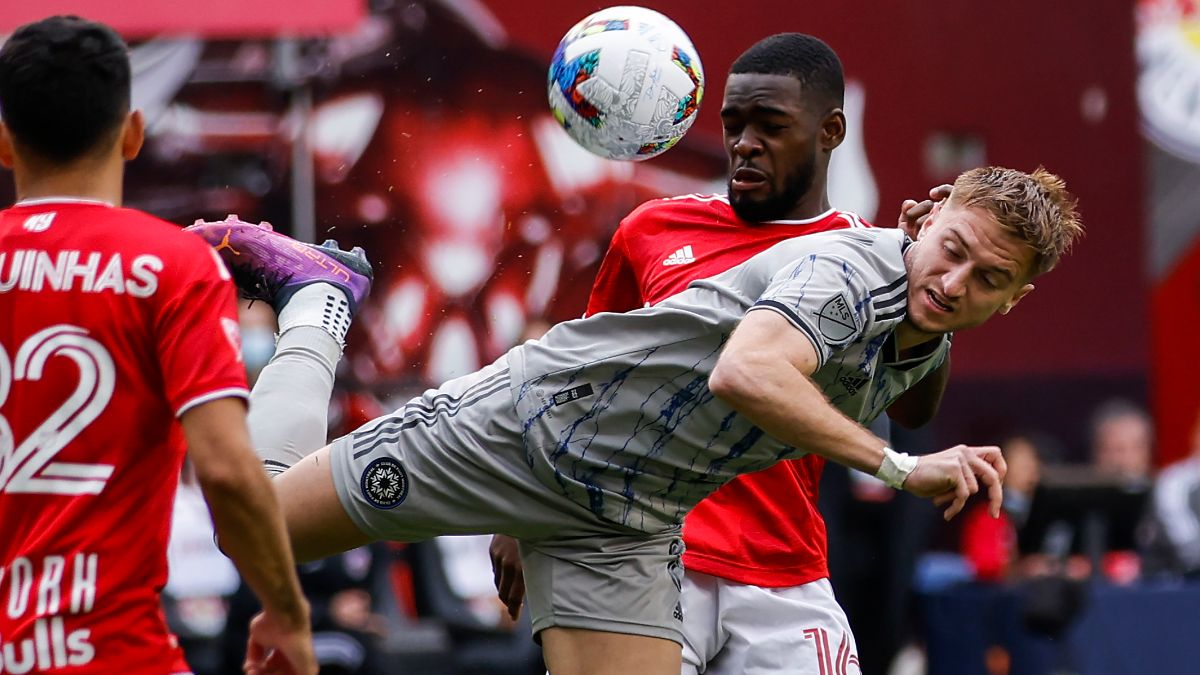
column 271, row 267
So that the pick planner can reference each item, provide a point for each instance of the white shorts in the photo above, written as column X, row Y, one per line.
column 733, row 628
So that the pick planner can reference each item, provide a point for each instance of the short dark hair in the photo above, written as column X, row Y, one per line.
column 64, row 86
column 804, row 57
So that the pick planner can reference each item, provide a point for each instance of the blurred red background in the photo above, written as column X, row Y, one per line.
column 430, row 147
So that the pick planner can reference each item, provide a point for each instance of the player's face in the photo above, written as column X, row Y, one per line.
column 964, row 268
column 772, row 142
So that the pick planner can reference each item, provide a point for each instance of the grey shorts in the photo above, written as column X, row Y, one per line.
column 615, row 583
column 452, row 461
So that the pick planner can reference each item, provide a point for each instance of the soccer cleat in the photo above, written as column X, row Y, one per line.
column 271, row 267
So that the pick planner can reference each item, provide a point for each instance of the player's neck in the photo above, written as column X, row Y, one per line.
column 909, row 337
column 85, row 179
column 811, row 204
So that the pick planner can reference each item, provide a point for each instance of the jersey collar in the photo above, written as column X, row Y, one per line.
column 804, row 221
column 40, row 201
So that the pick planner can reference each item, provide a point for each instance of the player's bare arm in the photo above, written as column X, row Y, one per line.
column 250, row 527
column 763, row 373
column 508, row 574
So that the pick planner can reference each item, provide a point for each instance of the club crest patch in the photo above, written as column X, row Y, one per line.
column 385, row 483
column 837, row 320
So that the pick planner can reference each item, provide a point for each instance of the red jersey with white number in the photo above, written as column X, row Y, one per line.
column 112, row 324
column 763, row 528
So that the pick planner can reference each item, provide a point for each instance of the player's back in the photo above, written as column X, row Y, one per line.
column 98, row 356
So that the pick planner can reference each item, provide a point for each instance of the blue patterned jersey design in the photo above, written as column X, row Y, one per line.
column 616, row 410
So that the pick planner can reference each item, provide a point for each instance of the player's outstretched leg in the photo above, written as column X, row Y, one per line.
column 315, row 290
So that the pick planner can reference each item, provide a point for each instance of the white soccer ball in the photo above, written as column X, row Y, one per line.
column 626, row 83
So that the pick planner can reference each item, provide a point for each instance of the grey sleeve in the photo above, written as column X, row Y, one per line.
column 824, row 297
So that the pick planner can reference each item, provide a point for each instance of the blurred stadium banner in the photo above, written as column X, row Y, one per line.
column 285, row 20
column 1168, row 66
column 210, row 18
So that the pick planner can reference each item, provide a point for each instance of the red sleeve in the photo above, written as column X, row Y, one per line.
column 197, row 334
column 616, row 288
column 987, row 543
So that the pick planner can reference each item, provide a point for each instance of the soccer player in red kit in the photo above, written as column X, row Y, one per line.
column 756, row 596
column 119, row 349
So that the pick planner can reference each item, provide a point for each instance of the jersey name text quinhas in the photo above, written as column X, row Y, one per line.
column 82, row 271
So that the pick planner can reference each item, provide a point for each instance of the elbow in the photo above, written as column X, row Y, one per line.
column 219, row 482
column 731, row 380
column 233, row 475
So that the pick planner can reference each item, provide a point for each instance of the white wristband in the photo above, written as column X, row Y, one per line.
column 895, row 468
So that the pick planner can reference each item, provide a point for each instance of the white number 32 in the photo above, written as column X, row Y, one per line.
column 30, row 466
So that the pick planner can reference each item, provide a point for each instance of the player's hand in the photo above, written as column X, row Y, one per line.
column 278, row 648
column 508, row 574
column 951, row 476
column 913, row 214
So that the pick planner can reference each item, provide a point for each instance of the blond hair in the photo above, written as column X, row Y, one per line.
column 1035, row 207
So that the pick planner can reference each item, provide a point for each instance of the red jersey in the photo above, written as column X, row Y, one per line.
column 112, row 324
column 761, row 529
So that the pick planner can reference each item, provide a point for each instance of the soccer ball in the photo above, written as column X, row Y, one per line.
column 626, row 83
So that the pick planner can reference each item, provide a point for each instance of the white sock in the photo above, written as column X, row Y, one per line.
column 321, row 305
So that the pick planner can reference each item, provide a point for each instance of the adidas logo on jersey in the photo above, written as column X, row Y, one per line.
column 681, row 257
column 853, row 384
column 39, row 222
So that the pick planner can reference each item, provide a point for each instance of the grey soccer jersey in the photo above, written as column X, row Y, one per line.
column 616, row 409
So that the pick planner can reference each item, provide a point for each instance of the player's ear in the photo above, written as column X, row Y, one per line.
column 833, row 129
column 1025, row 290
column 133, row 135
column 6, row 147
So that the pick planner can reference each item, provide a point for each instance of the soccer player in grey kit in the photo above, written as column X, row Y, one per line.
column 591, row 444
